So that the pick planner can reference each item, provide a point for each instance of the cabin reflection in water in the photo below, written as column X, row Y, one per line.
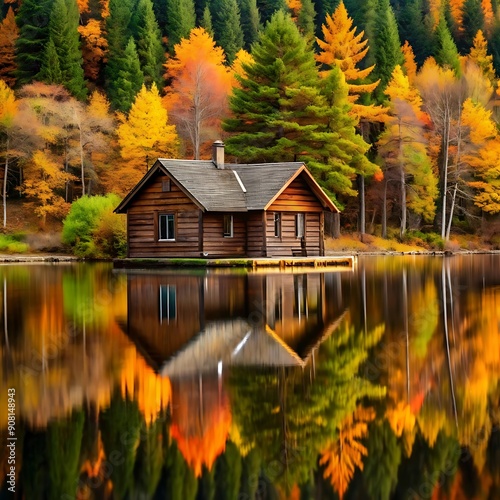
column 186, row 324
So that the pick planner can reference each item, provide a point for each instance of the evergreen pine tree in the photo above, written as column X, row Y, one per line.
column 206, row 22
column 250, row 22
column 149, row 46
column 129, row 80
column 50, row 71
column 322, row 8
column 64, row 37
column 473, row 21
column 269, row 109
column 414, row 27
column 305, row 19
column 227, row 27
column 33, row 20
column 387, row 46
column 181, row 19
column 446, row 50
column 339, row 151
column 365, row 17
column 160, row 10
column 118, row 35
column 268, row 7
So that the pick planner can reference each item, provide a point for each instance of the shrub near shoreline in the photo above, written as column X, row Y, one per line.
column 93, row 230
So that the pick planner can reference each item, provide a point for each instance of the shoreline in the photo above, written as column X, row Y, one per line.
column 184, row 261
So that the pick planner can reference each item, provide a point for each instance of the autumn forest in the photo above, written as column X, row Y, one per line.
column 392, row 105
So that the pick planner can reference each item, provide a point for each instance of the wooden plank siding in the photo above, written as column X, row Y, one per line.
column 142, row 222
column 296, row 198
column 215, row 244
column 256, row 241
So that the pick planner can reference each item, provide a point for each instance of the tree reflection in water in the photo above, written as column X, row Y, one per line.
column 147, row 385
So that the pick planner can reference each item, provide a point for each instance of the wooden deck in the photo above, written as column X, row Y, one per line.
column 256, row 264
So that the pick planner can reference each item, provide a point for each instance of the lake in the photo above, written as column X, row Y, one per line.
column 378, row 382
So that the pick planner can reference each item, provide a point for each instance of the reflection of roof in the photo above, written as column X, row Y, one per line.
column 236, row 187
column 236, row 343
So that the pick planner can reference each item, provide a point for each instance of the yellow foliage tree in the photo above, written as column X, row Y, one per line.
column 344, row 455
column 43, row 178
column 8, row 112
column 483, row 156
column 242, row 58
column 479, row 55
column 343, row 48
column 143, row 136
column 409, row 64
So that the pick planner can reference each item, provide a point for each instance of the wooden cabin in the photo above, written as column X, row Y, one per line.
column 208, row 208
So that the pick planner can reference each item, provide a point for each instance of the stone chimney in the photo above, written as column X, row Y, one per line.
column 218, row 154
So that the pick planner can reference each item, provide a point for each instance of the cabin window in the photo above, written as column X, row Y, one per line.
column 277, row 224
column 228, row 226
column 167, row 227
column 300, row 220
column 165, row 185
column 168, row 303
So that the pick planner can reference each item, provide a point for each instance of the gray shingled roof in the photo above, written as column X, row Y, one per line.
column 263, row 181
column 219, row 190
column 215, row 189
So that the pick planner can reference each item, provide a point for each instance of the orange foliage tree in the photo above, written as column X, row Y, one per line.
column 197, row 98
column 9, row 33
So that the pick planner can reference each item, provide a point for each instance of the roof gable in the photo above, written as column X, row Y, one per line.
column 236, row 188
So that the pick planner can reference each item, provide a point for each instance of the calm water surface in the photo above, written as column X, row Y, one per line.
column 382, row 382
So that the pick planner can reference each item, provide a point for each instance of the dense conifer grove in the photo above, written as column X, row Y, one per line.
column 393, row 105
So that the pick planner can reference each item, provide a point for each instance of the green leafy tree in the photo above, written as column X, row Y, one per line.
column 269, row 108
column 129, row 79
column 387, row 46
column 33, row 20
column 181, row 19
column 446, row 50
column 93, row 230
column 226, row 21
column 64, row 43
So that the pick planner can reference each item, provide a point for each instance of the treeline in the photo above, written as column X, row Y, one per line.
column 392, row 106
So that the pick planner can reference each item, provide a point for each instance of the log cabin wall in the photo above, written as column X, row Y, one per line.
column 215, row 244
column 142, row 222
column 256, row 241
column 297, row 198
